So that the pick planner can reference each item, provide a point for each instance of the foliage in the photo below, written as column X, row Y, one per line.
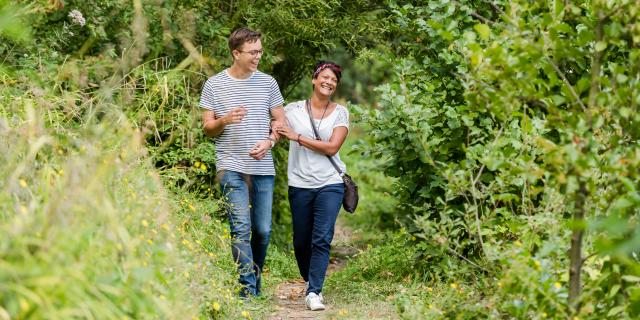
column 504, row 129
column 89, row 230
column 151, row 58
column 522, row 113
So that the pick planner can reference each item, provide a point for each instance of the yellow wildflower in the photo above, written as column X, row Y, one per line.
column 203, row 167
column 454, row 285
column 537, row 263
column 245, row 314
column 557, row 285
column 23, row 183
column 24, row 305
column 216, row 306
column 145, row 222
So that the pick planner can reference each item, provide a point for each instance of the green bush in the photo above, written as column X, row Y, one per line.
column 505, row 113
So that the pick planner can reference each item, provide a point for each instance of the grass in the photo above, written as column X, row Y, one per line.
column 93, row 233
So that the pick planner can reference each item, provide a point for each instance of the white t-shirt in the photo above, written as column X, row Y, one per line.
column 307, row 168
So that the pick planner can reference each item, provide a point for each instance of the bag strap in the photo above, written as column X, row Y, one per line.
column 317, row 136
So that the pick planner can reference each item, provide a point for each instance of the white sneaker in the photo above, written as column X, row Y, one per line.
column 313, row 302
column 319, row 294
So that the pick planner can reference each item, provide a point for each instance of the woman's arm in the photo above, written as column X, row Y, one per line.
column 329, row 148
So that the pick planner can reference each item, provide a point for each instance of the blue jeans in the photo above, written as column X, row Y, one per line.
column 314, row 213
column 250, row 198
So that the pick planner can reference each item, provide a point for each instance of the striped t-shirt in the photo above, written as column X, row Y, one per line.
column 258, row 94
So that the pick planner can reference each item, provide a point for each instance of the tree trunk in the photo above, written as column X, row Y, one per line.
column 575, row 253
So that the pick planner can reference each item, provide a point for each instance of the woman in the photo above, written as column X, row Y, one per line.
column 315, row 187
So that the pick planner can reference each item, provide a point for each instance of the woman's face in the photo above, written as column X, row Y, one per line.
column 326, row 82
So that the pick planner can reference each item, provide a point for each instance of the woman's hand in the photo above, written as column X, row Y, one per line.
column 274, row 128
column 287, row 132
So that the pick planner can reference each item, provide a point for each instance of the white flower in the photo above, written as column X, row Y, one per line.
column 77, row 18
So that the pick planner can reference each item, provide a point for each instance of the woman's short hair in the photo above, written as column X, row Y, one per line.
column 242, row 35
column 321, row 65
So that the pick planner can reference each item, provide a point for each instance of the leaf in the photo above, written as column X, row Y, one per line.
column 600, row 46
column 483, row 30
column 615, row 311
column 526, row 124
column 614, row 290
column 631, row 278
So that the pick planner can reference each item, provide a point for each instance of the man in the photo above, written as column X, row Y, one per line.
column 239, row 103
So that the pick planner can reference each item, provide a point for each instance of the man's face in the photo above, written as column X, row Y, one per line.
column 248, row 56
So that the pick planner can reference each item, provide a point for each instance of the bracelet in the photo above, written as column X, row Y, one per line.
column 299, row 134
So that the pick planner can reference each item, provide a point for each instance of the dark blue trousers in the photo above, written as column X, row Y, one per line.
column 314, row 213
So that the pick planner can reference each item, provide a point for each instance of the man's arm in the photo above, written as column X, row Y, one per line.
column 279, row 119
column 261, row 148
column 214, row 127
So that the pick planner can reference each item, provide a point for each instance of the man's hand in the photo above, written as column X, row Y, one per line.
column 234, row 116
column 260, row 149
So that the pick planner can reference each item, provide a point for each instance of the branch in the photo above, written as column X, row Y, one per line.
column 589, row 256
column 496, row 8
column 567, row 83
column 475, row 202
column 596, row 63
column 474, row 14
column 194, row 53
column 465, row 259
column 614, row 12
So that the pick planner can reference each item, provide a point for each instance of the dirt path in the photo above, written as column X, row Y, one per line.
column 289, row 296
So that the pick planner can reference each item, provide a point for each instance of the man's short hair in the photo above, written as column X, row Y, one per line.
column 242, row 35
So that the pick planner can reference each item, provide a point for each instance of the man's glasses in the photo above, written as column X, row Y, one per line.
column 253, row 53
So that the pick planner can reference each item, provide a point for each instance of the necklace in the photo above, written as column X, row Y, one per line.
column 323, row 112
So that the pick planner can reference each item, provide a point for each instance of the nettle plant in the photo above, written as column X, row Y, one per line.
column 517, row 124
